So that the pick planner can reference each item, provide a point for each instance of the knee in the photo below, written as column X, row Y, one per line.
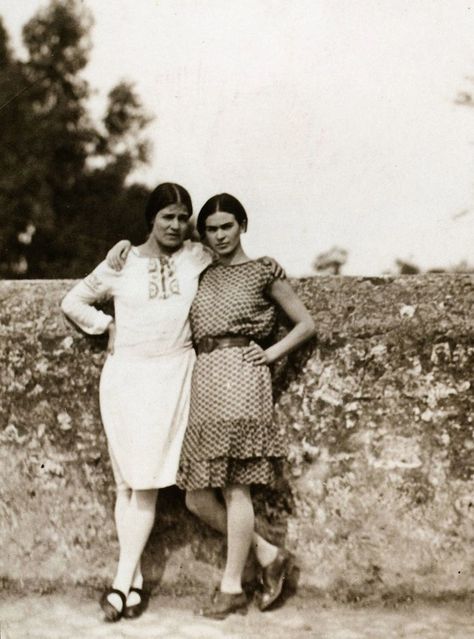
column 237, row 494
column 145, row 499
column 197, row 501
column 123, row 492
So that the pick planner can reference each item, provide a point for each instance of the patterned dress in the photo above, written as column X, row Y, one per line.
column 231, row 437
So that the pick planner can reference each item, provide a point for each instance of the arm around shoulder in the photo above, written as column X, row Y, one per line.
column 117, row 256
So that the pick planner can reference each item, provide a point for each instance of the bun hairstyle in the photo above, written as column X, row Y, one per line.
column 165, row 195
column 223, row 203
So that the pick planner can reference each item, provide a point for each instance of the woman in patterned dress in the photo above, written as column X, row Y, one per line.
column 145, row 382
column 231, row 441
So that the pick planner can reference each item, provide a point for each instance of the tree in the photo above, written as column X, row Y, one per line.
column 330, row 262
column 406, row 268
column 63, row 177
column 13, row 171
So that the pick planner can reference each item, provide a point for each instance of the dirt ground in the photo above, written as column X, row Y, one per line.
column 75, row 615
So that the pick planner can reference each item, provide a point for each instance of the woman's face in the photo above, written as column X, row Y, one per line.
column 223, row 232
column 170, row 226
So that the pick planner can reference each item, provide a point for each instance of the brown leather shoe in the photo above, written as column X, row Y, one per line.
column 224, row 603
column 273, row 577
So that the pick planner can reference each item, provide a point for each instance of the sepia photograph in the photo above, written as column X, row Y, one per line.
column 236, row 319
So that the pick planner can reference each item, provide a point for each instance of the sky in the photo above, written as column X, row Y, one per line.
column 334, row 122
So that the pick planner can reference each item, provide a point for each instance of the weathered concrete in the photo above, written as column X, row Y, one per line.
column 379, row 492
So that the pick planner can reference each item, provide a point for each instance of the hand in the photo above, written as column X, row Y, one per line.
column 111, row 343
column 277, row 270
column 255, row 355
column 117, row 255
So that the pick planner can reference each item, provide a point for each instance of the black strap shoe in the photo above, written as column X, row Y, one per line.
column 111, row 614
column 132, row 612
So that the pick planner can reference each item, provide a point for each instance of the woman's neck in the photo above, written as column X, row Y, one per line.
column 151, row 248
column 236, row 257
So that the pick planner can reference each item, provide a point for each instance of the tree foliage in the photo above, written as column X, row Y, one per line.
column 64, row 179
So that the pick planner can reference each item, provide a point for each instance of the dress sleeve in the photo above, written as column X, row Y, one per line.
column 202, row 256
column 78, row 304
column 266, row 273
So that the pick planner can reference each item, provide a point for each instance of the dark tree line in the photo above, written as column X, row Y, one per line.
column 64, row 193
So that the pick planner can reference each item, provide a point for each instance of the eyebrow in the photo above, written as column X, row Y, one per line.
column 211, row 227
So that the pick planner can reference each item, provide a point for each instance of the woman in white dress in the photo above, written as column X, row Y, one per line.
column 145, row 382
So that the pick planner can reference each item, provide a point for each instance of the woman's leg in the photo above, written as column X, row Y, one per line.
column 205, row 505
column 122, row 504
column 135, row 515
column 240, row 525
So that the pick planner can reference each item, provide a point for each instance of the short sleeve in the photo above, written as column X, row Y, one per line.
column 266, row 270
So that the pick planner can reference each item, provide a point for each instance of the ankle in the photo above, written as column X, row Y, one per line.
column 231, row 587
column 121, row 585
column 266, row 554
column 138, row 581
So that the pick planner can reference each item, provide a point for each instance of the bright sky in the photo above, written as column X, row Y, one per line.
column 333, row 121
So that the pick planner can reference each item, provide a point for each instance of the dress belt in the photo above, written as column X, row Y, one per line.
column 208, row 344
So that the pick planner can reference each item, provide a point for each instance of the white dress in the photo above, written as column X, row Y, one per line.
column 145, row 384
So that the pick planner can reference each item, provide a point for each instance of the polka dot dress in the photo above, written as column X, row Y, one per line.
column 231, row 437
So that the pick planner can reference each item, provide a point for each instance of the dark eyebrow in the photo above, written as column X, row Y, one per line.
column 226, row 225
column 179, row 215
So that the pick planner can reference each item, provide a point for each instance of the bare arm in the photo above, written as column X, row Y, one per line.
column 283, row 294
column 304, row 328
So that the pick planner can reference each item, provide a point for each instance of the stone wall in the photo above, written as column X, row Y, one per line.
column 378, row 497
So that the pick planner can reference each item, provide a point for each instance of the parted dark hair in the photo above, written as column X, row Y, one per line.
column 223, row 203
column 164, row 195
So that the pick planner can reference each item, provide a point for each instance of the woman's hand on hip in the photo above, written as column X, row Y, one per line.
column 254, row 354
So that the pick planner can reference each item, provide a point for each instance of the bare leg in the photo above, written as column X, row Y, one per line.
column 134, row 518
column 240, row 525
column 205, row 505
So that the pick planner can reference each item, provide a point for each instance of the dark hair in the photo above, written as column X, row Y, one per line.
column 224, row 203
column 165, row 195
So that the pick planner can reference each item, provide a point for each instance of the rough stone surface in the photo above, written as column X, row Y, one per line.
column 378, row 496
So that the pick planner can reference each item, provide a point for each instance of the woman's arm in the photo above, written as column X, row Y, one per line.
column 117, row 256
column 277, row 269
column 304, row 328
column 78, row 304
